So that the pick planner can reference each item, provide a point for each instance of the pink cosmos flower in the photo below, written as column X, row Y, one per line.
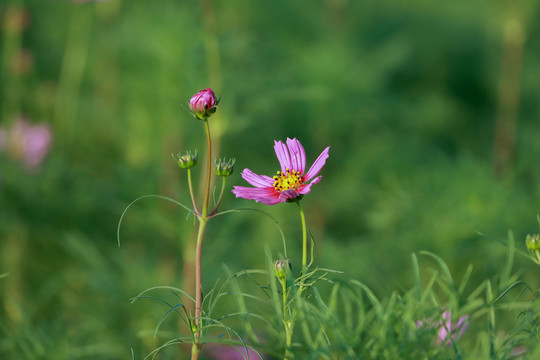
column 27, row 143
column 224, row 352
column 290, row 182
column 203, row 104
column 448, row 331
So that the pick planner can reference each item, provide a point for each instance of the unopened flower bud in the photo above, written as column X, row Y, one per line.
column 224, row 167
column 533, row 242
column 280, row 268
column 203, row 104
column 186, row 161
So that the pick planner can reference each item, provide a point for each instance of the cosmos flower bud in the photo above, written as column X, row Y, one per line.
column 533, row 242
column 224, row 167
column 186, row 161
column 203, row 104
column 280, row 268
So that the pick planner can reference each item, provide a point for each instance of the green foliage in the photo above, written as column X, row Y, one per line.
column 406, row 95
column 344, row 319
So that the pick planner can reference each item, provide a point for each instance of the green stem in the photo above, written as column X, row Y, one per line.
column 191, row 191
column 286, row 322
column 203, row 219
column 304, row 238
column 198, row 291
column 194, row 352
column 284, row 288
column 220, row 196
column 74, row 62
column 208, row 170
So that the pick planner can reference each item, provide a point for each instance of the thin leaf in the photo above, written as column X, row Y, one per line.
column 266, row 214
column 140, row 198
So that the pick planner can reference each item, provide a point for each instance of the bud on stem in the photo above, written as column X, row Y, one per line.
column 203, row 104
column 186, row 161
column 224, row 167
column 280, row 268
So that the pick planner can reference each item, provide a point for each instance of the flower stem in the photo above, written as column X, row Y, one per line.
column 203, row 219
column 191, row 191
column 304, row 238
column 220, row 196
column 287, row 323
column 198, row 291
column 208, row 170
column 284, row 291
column 194, row 352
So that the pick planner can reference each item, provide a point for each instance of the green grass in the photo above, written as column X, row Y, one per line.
column 407, row 97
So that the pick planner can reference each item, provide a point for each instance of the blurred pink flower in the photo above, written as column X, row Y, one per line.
column 448, row 331
column 27, row 143
column 227, row 352
column 290, row 183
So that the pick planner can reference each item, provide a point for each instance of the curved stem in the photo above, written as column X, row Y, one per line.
column 191, row 192
column 304, row 239
column 220, row 196
column 208, row 170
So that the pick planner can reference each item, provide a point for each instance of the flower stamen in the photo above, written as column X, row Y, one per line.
column 287, row 180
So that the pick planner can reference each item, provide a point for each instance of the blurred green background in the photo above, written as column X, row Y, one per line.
column 430, row 108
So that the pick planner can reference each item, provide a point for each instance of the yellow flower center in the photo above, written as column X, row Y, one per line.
column 287, row 180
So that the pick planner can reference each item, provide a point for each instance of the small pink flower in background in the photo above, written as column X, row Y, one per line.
column 448, row 331
column 203, row 104
column 290, row 182
column 26, row 143
column 518, row 351
column 227, row 352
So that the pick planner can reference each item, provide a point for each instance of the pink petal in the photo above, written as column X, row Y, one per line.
column 445, row 327
column 317, row 165
column 257, row 180
column 288, row 194
column 268, row 196
column 226, row 352
column 283, row 156
column 462, row 325
column 36, row 143
column 304, row 189
column 297, row 154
